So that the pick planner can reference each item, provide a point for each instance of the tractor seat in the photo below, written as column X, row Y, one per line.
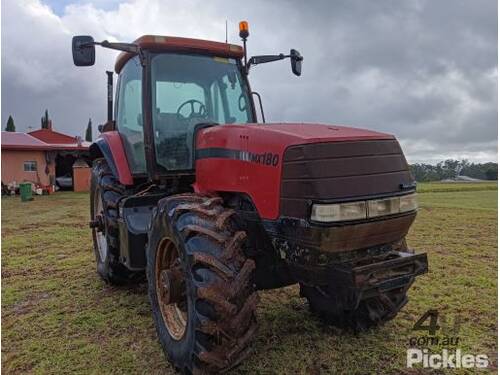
column 171, row 135
column 167, row 120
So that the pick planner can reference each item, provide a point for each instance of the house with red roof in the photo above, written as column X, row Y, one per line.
column 40, row 156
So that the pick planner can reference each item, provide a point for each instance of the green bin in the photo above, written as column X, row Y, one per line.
column 25, row 191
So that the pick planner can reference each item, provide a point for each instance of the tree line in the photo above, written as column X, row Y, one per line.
column 45, row 120
column 451, row 169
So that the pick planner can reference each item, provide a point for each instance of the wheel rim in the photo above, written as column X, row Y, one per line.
column 99, row 230
column 171, row 289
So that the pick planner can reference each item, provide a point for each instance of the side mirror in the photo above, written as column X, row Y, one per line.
column 296, row 62
column 83, row 50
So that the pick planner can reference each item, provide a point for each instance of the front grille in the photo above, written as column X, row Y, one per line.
column 340, row 171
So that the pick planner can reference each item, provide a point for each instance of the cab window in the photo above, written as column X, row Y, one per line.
column 188, row 91
column 129, row 115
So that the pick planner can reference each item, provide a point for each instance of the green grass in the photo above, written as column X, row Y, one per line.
column 434, row 187
column 58, row 317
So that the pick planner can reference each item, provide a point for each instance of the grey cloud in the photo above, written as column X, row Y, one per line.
column 423, row 70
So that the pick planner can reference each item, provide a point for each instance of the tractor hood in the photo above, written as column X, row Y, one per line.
column 312, row 133
column 284, row 167
column 276, row 137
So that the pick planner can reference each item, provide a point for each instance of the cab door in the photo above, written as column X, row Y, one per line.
column 129, row 119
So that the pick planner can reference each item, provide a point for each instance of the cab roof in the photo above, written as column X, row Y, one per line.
column 178, row 44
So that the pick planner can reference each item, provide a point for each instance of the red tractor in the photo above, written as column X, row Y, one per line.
column 214, row 206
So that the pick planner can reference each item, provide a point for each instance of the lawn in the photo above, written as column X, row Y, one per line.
column 58, row 317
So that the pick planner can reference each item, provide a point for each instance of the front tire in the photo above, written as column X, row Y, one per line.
column 105, row 194
column 200, row 284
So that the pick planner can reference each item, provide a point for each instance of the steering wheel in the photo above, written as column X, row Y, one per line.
column 242, row 103
column 201, row 112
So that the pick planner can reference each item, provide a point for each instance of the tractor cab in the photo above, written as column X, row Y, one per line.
column 168, row 89
column 187, row 90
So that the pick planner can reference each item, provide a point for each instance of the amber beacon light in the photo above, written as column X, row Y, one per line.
column 244, row 30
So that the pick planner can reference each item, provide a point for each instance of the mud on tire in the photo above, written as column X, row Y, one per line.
column 109, row 191
column 367, row 313
column 220, row 299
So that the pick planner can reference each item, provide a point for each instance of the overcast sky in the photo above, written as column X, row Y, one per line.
column 425, row 71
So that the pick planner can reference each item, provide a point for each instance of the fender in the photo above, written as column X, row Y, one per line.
column 110, row 146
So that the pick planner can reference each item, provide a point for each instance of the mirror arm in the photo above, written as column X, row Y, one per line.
column 124, row 47
column 253, row 61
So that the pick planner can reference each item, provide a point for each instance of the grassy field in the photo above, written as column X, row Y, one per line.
column 443, row 187
column 58, row 317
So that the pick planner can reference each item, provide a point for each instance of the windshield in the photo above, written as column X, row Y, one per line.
column 189, row 90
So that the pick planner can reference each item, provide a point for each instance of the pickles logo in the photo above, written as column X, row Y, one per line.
column 447, row 359
column 450, row 356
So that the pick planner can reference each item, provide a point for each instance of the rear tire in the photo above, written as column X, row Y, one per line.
column 368, row 313
column 218, row 299
column 105, row 194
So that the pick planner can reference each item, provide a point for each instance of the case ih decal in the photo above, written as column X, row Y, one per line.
column 264, row 158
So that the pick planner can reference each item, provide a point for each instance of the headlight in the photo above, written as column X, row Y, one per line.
column 408, row 203
column 339, row 212
column 328, row 213
column 380, row 207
